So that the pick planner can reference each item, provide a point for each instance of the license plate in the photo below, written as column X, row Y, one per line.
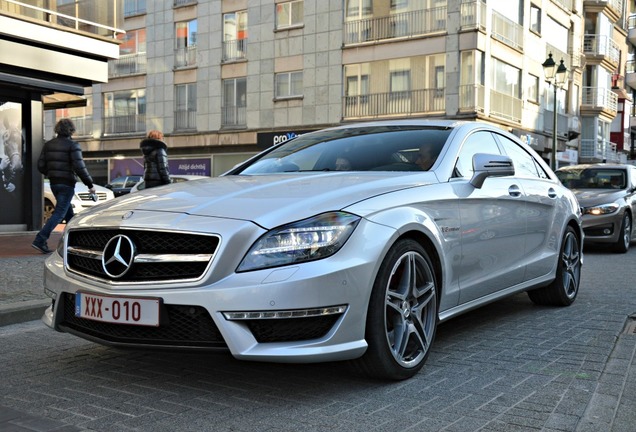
column 118, row 310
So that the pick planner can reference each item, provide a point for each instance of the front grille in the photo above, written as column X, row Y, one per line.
column 291, row 329
column 181, row 326
column 85, row 196
column 159, row 256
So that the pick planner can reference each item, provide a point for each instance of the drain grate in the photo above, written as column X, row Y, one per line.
column 630, row 326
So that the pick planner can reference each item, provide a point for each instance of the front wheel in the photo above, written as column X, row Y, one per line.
column 625, row 238
column 565, row 287
column 402, row 315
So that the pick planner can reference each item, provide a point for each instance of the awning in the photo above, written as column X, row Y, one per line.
column 62, row 100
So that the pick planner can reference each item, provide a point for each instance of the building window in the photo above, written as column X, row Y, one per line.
column 185, row 115
column 125, row 111
column 535, row 19
column 234, row 35
column 132, row 54
column 289, row 85
column 289, row 14
column 399, row 84
column 134, row 7
column 234, row 102
column 533, row 88
column 186, row 43
column 357, row 9
column 506, row 78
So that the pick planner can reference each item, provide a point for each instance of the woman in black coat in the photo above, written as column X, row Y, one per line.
column 155, row 153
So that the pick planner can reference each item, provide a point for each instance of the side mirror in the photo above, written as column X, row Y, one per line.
column 490, row 165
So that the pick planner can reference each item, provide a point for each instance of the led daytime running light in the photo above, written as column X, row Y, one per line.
column 282, row 314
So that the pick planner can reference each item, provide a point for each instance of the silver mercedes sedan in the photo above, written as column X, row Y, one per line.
column 349, row 243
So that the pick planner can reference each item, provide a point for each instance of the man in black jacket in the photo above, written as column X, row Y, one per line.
column 60, row 160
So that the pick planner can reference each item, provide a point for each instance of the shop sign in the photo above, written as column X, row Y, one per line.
column 267, row 139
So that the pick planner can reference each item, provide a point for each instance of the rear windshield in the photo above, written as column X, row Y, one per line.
column 593, row 178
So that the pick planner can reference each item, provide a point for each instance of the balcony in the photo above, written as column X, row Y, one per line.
column 413, row 102
column 125, row 124
column 505, row 106
column 600, row 49
column 562, row 123
column 507, row 31
column 598, row 151
column 471, row 98
column 612, row 8
column 565, row 4
column 234, row 50
column 473, row 15
column 597, row 100
column 185, row 120
column 631, row 26
column 234, row 116
column 127, row 64
column 185, row 57
column 407, row 24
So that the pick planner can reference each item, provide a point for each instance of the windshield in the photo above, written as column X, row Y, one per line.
column 593, row 178
column 381, row 148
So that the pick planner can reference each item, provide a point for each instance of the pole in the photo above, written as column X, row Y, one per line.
column 554, row 135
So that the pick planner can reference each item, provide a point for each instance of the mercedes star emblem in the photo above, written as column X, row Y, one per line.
column 118, row 256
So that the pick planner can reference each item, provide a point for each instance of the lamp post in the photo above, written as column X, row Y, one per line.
column 556, row 76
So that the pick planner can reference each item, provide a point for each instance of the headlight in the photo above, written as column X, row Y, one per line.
column 601, row 209
column 306, row 240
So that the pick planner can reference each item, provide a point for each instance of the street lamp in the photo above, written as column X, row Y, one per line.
column 556, row 76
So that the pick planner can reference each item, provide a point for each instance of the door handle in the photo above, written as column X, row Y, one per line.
column 514, row 191
column 552, row 193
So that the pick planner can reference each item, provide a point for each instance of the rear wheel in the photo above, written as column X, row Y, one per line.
column 48, row 210
column 622, row 245
column 402, row 315
column 565, row 287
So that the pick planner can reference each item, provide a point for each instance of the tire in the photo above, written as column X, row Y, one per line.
column 622, row 245
column 48, row 210
column 563, row 290
column 403, row 314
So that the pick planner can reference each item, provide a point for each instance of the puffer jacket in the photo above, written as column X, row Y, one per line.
column 155, row 162
column 61, row 159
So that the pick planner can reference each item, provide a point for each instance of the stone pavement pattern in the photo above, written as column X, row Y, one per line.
column 510, row 366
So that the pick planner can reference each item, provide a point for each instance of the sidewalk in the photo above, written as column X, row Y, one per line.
column 21, row 288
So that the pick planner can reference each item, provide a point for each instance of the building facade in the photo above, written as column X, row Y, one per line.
column 225, row 79
column 50, row 51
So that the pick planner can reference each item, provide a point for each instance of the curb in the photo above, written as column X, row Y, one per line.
column 20, row 312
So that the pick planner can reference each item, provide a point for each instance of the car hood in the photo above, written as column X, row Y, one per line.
column 267, row 200
column 590, row 197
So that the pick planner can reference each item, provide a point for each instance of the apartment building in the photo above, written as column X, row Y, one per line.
column 50, row 51
column 225, row 79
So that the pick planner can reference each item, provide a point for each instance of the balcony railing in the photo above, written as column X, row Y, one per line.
column 386, row 104
column 99, row 17
column 132, row 123
column 178, row 3
column 407, row 24
column 562, row 123
column 599, row 45
column 473, row 15
column 234, row 115
column 505, row 106
column 598, row 150
column 83, row 126
column 185, row 119
column 127, row 64
column 471, row 97
column 235, row 49
column 600, row 98
column 507, row 31
column 565, row 4
column 185, row 56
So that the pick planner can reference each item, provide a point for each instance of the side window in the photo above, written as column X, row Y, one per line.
column 478, row 142
column 524, row 162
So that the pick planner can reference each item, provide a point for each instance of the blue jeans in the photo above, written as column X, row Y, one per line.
column 63, row 210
